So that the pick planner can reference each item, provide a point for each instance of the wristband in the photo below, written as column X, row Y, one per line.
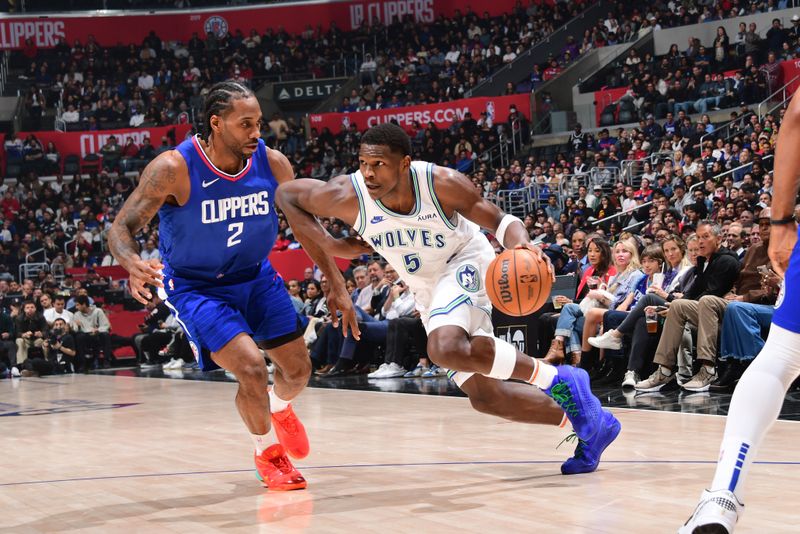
column 501, row 229
column 781, row 222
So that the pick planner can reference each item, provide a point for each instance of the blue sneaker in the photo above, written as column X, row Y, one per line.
column 588, row 452
column 571, row 391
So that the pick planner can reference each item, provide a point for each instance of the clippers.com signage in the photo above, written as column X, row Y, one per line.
column 110, row 28
column 442, row 115
column 83, row 143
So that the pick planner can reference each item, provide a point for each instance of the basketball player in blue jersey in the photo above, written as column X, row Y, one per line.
column 215, row 201
column 425, row 222
column 759, row 394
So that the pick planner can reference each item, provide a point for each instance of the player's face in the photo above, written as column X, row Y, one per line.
column 384, row 171
column 240, row 128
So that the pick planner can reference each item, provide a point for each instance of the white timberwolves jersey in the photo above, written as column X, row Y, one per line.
column 442, row 260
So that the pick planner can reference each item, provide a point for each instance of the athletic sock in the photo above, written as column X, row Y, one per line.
column 262, row 442
column 276, row 404
column 666, row 371
column 543, row 374
column 755, row 406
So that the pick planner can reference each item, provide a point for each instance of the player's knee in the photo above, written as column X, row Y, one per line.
column 298, row 370
column 252, row 372
column 448, row 353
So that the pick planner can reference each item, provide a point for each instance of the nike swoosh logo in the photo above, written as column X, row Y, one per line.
column 377, row 219
column 206, row 184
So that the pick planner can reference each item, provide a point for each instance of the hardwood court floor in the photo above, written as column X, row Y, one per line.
column 127, row 454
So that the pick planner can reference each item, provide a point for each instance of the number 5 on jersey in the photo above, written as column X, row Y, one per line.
column 236, row 229
column 412, row 263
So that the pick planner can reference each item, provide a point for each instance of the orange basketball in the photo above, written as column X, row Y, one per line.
column 518, row 282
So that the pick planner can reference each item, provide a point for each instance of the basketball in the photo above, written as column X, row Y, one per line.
column 518, row 282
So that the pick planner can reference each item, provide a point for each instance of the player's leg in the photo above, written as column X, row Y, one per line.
column 292, row 371
column 511, row 400
column 244, row 359
column 451, row 347
column 279, row 330
column 755, row 406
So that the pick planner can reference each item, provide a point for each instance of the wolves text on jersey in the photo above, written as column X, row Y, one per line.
column 407, row 237
column 222, row 209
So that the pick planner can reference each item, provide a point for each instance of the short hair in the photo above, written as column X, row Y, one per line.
column 714, row 227
column 654, row 252
column 360, row 269
column 388, row 134
column 83, row 300
column 218, row 101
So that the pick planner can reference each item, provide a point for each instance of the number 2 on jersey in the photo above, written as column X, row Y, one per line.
column 412, row 263
column 237, row 229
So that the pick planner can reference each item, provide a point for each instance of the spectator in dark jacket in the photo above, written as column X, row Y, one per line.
column 31, row 330
column 716, row 272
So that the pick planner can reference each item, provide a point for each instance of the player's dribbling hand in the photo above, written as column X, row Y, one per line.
column 782, row 239
column 338, row 300
column 144, row 273
column 541, row 255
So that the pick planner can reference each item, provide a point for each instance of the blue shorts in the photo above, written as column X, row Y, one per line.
column 213, row 313
column 787, row 309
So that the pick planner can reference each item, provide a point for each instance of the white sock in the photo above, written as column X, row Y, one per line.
column 755, row 406
column 262, row 442
column 543, row 374
column 276, row 404
column 666, row 371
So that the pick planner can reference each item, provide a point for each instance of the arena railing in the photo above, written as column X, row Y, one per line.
column 785, row 95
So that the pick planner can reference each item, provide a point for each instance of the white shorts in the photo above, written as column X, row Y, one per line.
column 459, row 299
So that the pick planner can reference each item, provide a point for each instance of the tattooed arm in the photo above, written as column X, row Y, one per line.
column 165, row 179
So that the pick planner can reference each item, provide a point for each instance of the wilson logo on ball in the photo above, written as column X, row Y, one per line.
column 503, row 283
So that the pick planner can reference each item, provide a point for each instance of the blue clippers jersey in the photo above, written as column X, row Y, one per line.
column 228, row 225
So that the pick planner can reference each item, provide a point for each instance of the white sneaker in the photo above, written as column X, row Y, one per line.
column 174, row 363
column 378, row 371
column 655, row 382
column 701, row 381
column 392, row 370
column 15, row 372
column 718, row 511
column 630, row 380
column 606, row 341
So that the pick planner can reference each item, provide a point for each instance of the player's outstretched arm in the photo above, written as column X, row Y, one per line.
column 159, row 182
column 301, row 201
column 457, row 193
column 783, row 234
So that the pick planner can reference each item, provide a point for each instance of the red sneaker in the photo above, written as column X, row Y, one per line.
column 276, row 472
column 291, row 433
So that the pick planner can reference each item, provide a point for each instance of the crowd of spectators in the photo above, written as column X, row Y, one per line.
column 731, row 71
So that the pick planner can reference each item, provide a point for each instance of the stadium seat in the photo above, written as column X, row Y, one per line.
column 72, row 164
column 91, row 163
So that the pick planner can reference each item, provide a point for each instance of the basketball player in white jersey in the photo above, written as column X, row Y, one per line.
column 425, row 221
column 759, row 395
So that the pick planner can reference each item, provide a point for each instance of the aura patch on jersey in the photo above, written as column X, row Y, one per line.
column 469, row 278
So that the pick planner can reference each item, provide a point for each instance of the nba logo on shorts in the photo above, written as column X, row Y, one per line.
column 468, row 278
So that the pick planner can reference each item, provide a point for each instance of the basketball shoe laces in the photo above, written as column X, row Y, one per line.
column 289, row 425
column 563, row 397
column 571, row 438
column 282, row 463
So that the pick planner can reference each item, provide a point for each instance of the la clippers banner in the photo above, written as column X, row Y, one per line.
column 442, row 115
column 789, row 70
column 91, row 142
column 132, row 26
